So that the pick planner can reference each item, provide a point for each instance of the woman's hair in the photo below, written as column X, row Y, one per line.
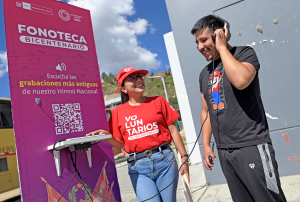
column 124, row 96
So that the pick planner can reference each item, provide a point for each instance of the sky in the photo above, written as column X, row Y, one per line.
column 127, row 33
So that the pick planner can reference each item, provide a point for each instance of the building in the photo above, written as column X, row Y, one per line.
column 271, row 28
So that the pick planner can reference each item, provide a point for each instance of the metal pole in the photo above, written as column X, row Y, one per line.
column 162, row 79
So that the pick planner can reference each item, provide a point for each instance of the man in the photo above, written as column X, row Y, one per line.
column 233, row 111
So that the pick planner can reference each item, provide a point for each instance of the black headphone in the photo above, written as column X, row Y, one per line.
column 226, row 25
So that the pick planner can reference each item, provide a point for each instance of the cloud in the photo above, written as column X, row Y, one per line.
column 3, row 63
column 152, row 29
column 116, row 37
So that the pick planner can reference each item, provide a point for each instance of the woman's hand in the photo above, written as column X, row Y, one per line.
column 185, row 168
column 114, row 142
column 97, row 132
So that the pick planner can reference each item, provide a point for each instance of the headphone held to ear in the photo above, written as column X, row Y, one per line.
column 226, row 25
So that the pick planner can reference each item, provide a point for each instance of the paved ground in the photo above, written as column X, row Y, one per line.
column 11, row 196
column 290, row 186
column 128, row 195
column 214, row 193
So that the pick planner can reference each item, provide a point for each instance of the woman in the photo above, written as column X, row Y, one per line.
column 145, row 126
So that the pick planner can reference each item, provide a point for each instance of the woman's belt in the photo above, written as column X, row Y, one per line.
column 147, row 153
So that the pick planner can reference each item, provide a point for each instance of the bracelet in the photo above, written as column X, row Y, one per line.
column 185, row 162
column 182, row 155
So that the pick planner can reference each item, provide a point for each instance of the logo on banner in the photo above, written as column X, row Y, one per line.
column 64, row 15
column 54, row 35
column 102, row 186
column 77, row 18
column 35, row 8
column 61, row 67
column 26, row 6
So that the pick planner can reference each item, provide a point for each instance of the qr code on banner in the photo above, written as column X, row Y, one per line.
column 68, row 118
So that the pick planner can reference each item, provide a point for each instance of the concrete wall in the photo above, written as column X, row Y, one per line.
column 277, row 47
column 183, row 101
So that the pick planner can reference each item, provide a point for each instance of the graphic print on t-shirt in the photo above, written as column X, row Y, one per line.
column 216, row 90
column 136, row 128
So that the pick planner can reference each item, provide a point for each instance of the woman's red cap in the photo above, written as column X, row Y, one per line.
column 126, row 72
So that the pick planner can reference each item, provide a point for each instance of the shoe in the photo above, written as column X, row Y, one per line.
column 215, row 106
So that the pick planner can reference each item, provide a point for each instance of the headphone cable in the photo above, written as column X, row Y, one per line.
column 83, row 184
column 196, row 139
column 182, row 163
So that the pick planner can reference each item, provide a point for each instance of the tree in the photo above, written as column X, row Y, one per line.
column 104, row 77
column 112, row 78
column 167, row 71
column 173, row 101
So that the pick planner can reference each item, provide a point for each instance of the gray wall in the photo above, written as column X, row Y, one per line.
column 278, row 50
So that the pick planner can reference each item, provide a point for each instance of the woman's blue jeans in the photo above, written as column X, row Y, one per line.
column 149, row 176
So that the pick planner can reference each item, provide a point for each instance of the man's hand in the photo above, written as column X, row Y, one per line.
column 208, row 152
column 185, row 168
column 221, row 39
column 97, row 132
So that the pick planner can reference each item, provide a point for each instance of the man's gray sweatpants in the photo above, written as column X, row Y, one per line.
column 252, row 173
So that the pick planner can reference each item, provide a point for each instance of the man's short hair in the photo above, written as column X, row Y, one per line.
column 206, row 22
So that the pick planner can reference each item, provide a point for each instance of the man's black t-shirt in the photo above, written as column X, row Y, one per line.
column 237, row 116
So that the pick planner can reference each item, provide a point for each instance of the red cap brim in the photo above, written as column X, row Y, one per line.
column 131, row 72
column 118, row 90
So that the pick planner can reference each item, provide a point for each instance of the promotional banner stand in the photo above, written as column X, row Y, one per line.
column 56, row 99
